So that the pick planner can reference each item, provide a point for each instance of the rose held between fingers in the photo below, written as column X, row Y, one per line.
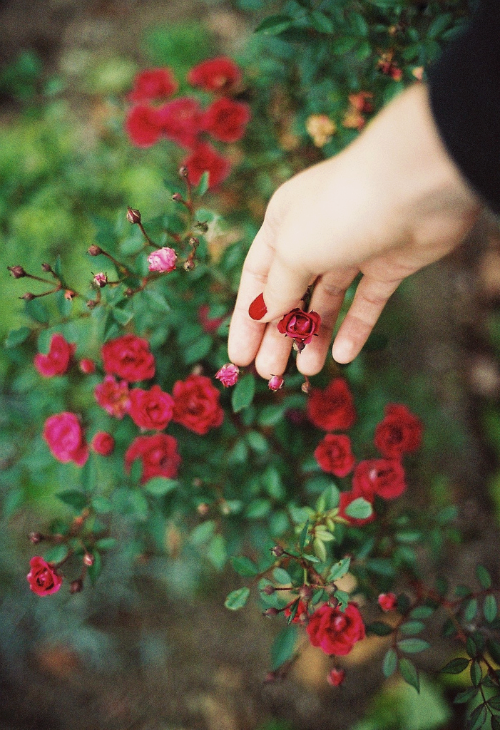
column 300, row 326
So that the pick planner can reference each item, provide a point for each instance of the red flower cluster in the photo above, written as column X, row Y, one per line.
column 184, row 121
column 334, row 631
column 58, row 358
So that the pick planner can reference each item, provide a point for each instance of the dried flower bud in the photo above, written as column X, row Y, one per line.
column 306, row 593
column 271, row 612
column 276, row 382
column 306, row 387
column 94, row 250
column 177, row 197
column 193, row 241
column 69, row 294
column 76, row 586
column 277, row 551
column 183, row 171
column 268, row 590
column 333, row 602
column 91, row 303
column 47, row 268
column 35, row 537
column 28, row 297
column 203, row 509
column 100, row 280
column 17, row 271
column 189, row 265
column 133, row 215
column 330, row 589
column 202, row 226
column 88, row 559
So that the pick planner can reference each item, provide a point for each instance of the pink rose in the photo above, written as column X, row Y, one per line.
column 113, row 396
column 129, row 357
column 162, row 260
column 228, row 375
column 103, row 443
column 43, row 578
column 58, row 358
column 158, row 454
column 64, row 436
column 334, row 631
column 151, row 409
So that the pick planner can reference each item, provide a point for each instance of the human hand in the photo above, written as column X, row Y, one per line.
column 389, row 204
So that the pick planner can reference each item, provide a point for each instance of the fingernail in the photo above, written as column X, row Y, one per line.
column 258, row 308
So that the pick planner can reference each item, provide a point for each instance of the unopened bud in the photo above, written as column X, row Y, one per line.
column 276, row 382
column 277, row 551
column 306, row 387
column 306, row 593
column 270, row 678
column 100, row 280
column 189, row 265
column 28, row 297
column 87, row 366
column 177, row 197
column 94, row 250
column 330, row 589
column 47, row 268
column 128, row 292
column 271, row 612
column 88, row 559
column 76, row 586
column 202, row 509
column 91, row 303
column 35, row 537
column 69, row 294
column 17, row 271
column 183, row 171
column 268, row 590
column 333, row 602
column 133, row 215
column 336, row 677
column 193, row 241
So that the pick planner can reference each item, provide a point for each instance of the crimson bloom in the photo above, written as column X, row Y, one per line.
column 64, row 435
column 151, row 409
column 336, row 677
column 218, row 74
column 197, row 404
column 180, row 120
column 379, row 477
column 334, row 454
column 129, row 357
column 113, row 396
column 103, row 443
column 334, row 631
column 153, row 83
column 158, row 454
column 332, row 409
column 300, row 326
column 43, row 578
column 387, row 601
column 143, row 126
column 205, row 158
column 58, row 358
column 399, row 432
column 226, row 119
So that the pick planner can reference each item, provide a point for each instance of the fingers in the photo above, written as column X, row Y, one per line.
column 370, row 299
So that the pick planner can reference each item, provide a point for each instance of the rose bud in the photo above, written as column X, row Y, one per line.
column 76, row 586
column 35, row 537
column 276, row 382
column 17, row 271
column 28, row 297
column 100, row 280
column 387, row 601
column 87, row 366
column 88, row 559
column 277, row 551
column 177, row 198
column 271, row 612
column 133, row 215
column 94, row 250
column 268, row 590
column 162, row 260
column 336, row 677
column 228, row 375
column 47, row 268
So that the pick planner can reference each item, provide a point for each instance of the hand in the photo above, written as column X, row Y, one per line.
column 389, row 204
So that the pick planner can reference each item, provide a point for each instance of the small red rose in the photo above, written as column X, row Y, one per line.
column 334, row 454
column 219, row 74
column 64, row 435
column 129, row 357
column 58, row 358
column 181, row 121
column 151, row 409
column 143, row 125
column 205, row 158
column 152, row 84
column 43, row 578
column 197, row 404
column 332, row 409
column 399, row 432
column 387, row 601
column 379, row 477
column 158, row 454
column 336, row 677
column 334, row 631
column 113, row 396
column 300, row 326
column 225, row 119
column 103, row 443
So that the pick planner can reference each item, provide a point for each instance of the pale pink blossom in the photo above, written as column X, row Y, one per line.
column 228, row 375
column 163, row 259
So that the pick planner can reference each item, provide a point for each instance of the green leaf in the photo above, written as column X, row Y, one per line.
column 319, row 549
column 106, row 543
column 56, row 554
column 216, row 551
column 203, row 185
column 122, row 316
column 470, row 610
column 101, row 505
column 73, row 498
column 343, row 599
column 283, row 647
column 237, row 599
column 159, row 486
column 413, row 646
column 37, row 311
column 303, row 536
column 244, row 566
column 359, row 509
column 198, row 349
column 439, row 24
column 465, row 696
column 478, row 717
column 94, row 570
column 379, row 628
column 495, row 723
column 483, row 576
column 476, row 673
column 243, row 392
column 281, row 576
column 456, row 666
column 257, row 442
column 320, row 22
column 274, row 24
column 490, row 608
column 339, row 569
column 409, row 672
column 202, row 532
column 422, row 612
column 17, row 337
column 390, row 663
column 258, row 508
column 495, row 702
column 412, row 627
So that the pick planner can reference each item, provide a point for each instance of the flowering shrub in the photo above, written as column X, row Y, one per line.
column 300, row 486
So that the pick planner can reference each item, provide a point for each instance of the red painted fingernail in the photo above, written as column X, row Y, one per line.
column 258, row 308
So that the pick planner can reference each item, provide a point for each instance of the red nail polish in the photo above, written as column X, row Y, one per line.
column 258, row 308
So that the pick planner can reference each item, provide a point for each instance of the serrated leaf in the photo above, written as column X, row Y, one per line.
column 198, row 349
column 73, row 498
column 17, row 337
column 320, row 22
column 483, row 576
column 216, row 551
column 37, row 311
column 495, row 723
column 359, row 509
column 319, row 549
column 94, row 570
column 478, row 717
column 244, row 566
column 456, row 666
column 413, row 646
column 283, row 647
column 490, row 608
column 343, row 599
column 56, row 554
column 339, row 569
column 390, row 663
column 122, row 316
column 422, row 612
column 495, row 702
column 465, row 696
column 303, row 536
column 237, row 599
column 101, row 505
column 159, row 486
column 243, row 392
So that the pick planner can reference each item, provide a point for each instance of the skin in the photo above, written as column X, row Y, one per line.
column 389, row 204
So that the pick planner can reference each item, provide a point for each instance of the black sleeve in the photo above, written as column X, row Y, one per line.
column 465, row 101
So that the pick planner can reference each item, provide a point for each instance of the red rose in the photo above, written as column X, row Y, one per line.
column 334, row 454
column 331, row 409
column 87, row 366
column 158, row 454
column 64, row 436
column 334, row 631
column 336, row 677
column 151, row 408
column 301, row 326
column 399, row 432
column 142, row 125
column 153, row 83
column 205, row 158
column 209, row 324
column 345, row 500
column 197, row 404
column 103, row 443
column 113, row 396
column 58, row 358
column 180, row 120
column 387, row 601
column 382, row 477
column 302, row 613
column 225, row 119
column 129, row 357
column 219, row 74
column 43, row 578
